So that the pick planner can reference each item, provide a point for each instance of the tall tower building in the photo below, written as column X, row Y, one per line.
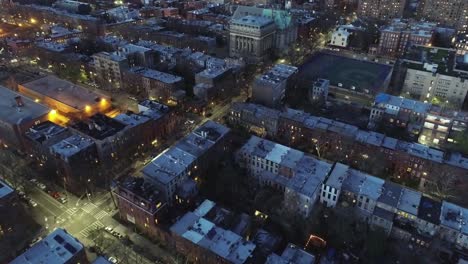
column 452, row 13
column 382, row 9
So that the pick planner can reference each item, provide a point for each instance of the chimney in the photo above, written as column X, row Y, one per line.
column 19, row 101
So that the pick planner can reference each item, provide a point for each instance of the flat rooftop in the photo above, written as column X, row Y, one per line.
column 391, row 193
column 44, row 131
column 295, row 254
column 409, row 201
column 454, row 217
column 71, row 145
column 431, row 59
column 65, row 92
column 337, row 176
column 156, row 75
column 429, row 210
column 277, row 74
column 57, row 248
column 168, row 165
column 11, row 113
column 99, row 126
column 195, row 227
column 402, row 103
column 253, row 21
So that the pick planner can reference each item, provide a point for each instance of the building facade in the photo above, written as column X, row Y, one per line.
column 381, row 9
column 270, row 88
column 451, row 13
column 251, row 38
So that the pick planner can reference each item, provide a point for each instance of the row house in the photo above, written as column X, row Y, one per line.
column 400, row 211
column 346, row 143
column 291, row 171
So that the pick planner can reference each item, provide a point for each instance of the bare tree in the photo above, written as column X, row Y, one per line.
column 441, row 184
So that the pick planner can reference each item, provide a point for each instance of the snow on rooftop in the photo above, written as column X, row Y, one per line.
column 57, row 248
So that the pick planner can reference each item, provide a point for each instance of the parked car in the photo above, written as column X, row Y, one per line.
column 41, row 186
column 108, row 229
column 62, row 200
column 32, row 203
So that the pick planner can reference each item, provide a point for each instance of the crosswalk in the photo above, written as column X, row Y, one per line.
column 100, row 215
column 90, row 208
column 71, row 211
column 96, row 225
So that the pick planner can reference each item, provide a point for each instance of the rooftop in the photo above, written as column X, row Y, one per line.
column 395, row 103
column 409, row 201
column 99, row 126
column 174, row 161
column 454, row 217
column 138, row 186
column 296, row 255
column 212, row 72
column 44, row 131
column 255, row 21
column 65, row 92
column 391, row 193
column 282, row 18
column 113, row 56
column 71, row 145
column 337, row 176
column 277, row 74
column 13, row 113
column 431, row 59
column 156, row 75
column 347, row 130
column 57, row 248
column 132, row 120
column 429, row 210
column 308, row 172
column 194, row 227
column 5, row 189
column 361, row 183
column 384, row 214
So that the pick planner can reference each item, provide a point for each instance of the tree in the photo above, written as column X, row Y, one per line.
column 461, row 142
column 441, row 184
column 375, row 244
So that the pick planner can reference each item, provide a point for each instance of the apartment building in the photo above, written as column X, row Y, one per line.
column 141, row 204
column 108, row 68
column 17, row 115
column 432, row 77
column 381, row 9
column 399, row 35
column 187, row 159
column 155, row 84
column 451, row 13
column 76, row 162
column 270, row 88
